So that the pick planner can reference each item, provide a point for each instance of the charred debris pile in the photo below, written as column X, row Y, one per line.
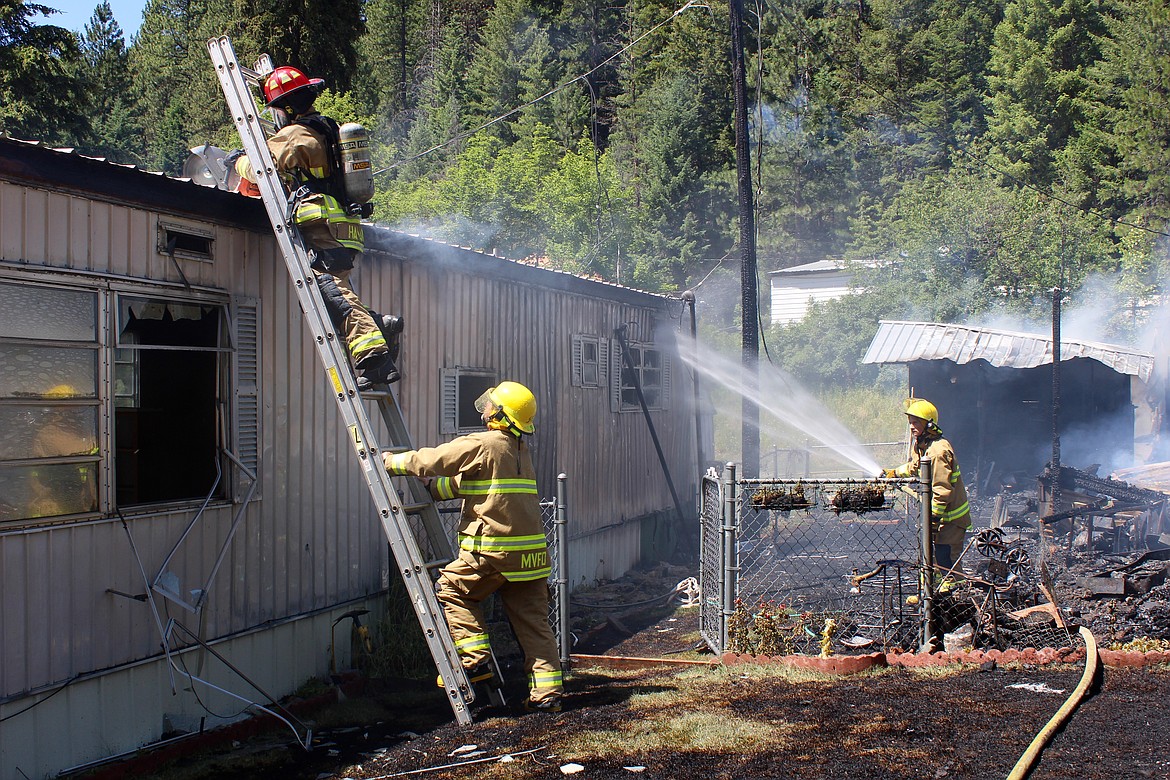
column 1096, row 548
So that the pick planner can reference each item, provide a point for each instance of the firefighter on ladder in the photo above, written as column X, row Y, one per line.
column 948, row 504
column 305, row 151
column 502, row 546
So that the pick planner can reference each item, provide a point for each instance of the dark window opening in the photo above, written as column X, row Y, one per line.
column 471, row 387
column 184, row 244
column 168, row 373
column 647, row 371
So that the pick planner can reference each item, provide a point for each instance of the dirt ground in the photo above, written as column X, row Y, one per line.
column 678, row 722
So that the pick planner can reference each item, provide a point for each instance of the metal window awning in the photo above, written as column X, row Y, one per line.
column 905, row 342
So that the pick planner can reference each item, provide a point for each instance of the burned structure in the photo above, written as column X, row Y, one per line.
column 993, row 389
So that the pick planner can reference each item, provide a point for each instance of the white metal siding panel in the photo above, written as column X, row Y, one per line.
column 313, row 540
column 791, row 293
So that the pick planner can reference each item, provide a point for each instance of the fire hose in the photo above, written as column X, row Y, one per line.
column 1028, row 761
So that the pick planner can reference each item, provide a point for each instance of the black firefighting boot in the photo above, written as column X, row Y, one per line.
column 376, row 369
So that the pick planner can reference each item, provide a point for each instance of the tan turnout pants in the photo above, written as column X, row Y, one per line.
column 465, row 583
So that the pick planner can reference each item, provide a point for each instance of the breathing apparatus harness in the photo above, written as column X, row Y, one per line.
column 332, row 185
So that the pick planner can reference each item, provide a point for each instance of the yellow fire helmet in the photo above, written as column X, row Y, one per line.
column 921, row 408
column 513, row 399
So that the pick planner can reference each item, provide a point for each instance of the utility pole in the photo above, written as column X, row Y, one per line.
column 750, row 436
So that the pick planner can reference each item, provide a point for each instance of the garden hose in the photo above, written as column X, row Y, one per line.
column 1028, row 761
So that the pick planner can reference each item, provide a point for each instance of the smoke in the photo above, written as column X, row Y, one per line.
column 1099, row 311
column 784, row 404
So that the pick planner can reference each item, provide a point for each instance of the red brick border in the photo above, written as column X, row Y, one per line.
column 851, row 664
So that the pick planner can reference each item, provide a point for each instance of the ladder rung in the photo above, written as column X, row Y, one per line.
column 395, row 450
column 414, row 509
column 436, row 564
column 375, row 394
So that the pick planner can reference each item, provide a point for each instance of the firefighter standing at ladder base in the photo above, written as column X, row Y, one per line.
column 306, row 151
column 948, row 504
column 502, row 546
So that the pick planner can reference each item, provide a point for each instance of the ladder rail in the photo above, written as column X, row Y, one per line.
column 413, row 570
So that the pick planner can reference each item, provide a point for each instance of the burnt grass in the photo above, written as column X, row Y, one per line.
column 679, row 722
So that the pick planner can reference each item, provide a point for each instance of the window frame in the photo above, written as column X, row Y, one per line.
column 581, row 344
column 452, row 397
column 228, row 354
column 623, row 397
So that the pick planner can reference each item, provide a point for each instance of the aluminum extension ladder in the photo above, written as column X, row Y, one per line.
column 393, row 513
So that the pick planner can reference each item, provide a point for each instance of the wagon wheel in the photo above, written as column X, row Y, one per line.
column 989, row 542
column 1018, row 560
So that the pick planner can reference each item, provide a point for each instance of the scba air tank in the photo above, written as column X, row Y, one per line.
column 354, row 144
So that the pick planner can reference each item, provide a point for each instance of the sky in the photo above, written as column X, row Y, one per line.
column 76, row 13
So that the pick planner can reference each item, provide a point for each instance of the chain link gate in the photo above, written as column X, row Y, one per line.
column 554, row 513
column 834, row 567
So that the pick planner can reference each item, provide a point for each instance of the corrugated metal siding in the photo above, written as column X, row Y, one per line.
column 458, row 318
column 313, row 540
column 904, row 342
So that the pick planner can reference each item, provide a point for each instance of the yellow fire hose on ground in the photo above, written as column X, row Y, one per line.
column 1028, row 761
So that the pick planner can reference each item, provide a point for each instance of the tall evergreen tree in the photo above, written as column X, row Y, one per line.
column 1038, row 76
column 41, row 95
column 1130, row 107
column 113, row 131
column 318, row 36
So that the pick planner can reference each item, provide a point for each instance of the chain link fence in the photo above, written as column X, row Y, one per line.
column 835, row 567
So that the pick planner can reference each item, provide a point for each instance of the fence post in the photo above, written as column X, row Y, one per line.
column 730, row 571
column 924, row 497
column 560, row 532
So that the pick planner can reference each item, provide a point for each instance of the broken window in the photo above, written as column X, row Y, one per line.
column 461, row 387
column 170, row 358
column 115, row 399
column 650, row 369
column 49, row 456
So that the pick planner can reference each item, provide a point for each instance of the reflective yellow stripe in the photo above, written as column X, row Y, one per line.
column 527, row 576
column 902, row 471
column 473, row 644
column 364, row 344
column 502, row 543
column 398, row 463
column 485, row 487
column 444, row 487
column 955, row 513
column 545, row 680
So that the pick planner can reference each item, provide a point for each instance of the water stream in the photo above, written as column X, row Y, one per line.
column 779, row 396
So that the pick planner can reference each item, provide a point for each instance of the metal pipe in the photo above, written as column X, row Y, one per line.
column 689, row 299
column 560, row 533
column 1055, row 488
column 729, row 585
column 925, row 473
column 620, row 334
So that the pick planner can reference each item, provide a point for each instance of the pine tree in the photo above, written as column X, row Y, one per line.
column 1038, row 76
column 114, row 134
column 1130, row 106
column 41, row 96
